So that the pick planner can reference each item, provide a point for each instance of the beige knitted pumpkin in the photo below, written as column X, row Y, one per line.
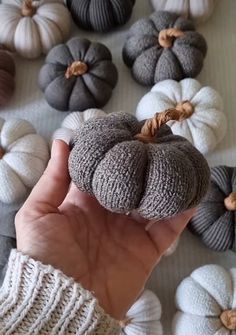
column 33, row 27
column 73, row 122
column 197, row 10
column 23, row 158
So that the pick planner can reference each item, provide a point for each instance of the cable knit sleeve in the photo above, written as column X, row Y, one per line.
column 37, row 299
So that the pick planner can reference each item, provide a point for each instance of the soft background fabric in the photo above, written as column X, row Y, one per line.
column 219, row 72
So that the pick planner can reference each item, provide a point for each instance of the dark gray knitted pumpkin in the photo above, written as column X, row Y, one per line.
column 215, row 220
column 78, row 75
column 100, row 15
column 129, row 165
column 164, row 46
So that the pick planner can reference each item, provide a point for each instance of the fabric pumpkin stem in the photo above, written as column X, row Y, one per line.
column 167, row 36
column 230, row 202
column 77, row 68
column 124, row 323
column 28, row 8
column 153, row 125
column 228, row 318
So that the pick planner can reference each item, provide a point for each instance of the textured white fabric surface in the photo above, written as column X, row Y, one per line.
column 219, row 72
column 205, row 128
column 201, row 298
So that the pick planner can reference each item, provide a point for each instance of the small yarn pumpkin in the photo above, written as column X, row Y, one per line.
column 198, row 11
column 32, row 27
column 127, row 165
column 78, row 75
column 73, row 122
column 215, row 219
column 7, row 74
column 203, row 122
column 143, row 318
column 23, row 159
column 164, row 46
column 100, row 15
column 206, row 301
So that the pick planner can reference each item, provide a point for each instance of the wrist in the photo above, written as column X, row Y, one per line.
column 38, row 297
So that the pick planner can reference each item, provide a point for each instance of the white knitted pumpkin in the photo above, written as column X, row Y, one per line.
column 197, row 10
column 203, row 122
column 207, row 303
column 143, row 318
column 33, row 27
column 23, row 158
column 73, row 121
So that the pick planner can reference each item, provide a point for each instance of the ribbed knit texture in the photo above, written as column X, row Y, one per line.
column 150, row 62
column 213, row 223
column 158, row 179
column 37, row 299
column 102, row 15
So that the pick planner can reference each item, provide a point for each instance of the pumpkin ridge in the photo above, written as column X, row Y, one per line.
column 54, row 22
column 225, row 242
column 16, row 174
column 142, row 52
column 88, row 90
column 48, row 20
column 102, row 79
column 202, row 287
column 50, row 85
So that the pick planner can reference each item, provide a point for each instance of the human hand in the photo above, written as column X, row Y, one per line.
column 110, row 254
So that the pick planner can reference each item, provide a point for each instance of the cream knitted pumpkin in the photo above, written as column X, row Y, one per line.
column 23, row 158
column 203, row 122
column 207, row 303
column 143, row 318
column 198, row 10
column 73, row 122
column 33, row 27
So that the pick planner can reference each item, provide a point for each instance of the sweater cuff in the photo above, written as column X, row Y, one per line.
column 37, row 299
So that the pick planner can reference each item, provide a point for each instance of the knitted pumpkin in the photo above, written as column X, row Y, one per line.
column 143, row 318
column 7, row 73
column 74, row 121
column 202, row 120
column 23, row 158
column 206, row 302
column 164, row 46
column 32, row 27
column 127, row 165
column 214, row 221
column 100, row 15
column 198, row 11
column 78, row 75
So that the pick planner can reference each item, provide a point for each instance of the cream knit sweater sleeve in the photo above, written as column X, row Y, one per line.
column 37, row 299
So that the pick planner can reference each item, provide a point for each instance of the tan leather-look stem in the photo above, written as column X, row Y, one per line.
column 2, row 152
column 151, row 126
column 167, row 36
column 28, row 8
column 77, row 68
column 228, row 318
column 185, row 107
column 230, row 204
column 125, row 322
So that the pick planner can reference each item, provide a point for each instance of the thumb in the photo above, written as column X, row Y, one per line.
column 53, row 186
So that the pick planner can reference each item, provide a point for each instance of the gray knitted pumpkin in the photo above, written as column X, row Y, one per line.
column 164, row 46
column 215, row 220
column 100, row 15
column 78, row 75
column 127, row 165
